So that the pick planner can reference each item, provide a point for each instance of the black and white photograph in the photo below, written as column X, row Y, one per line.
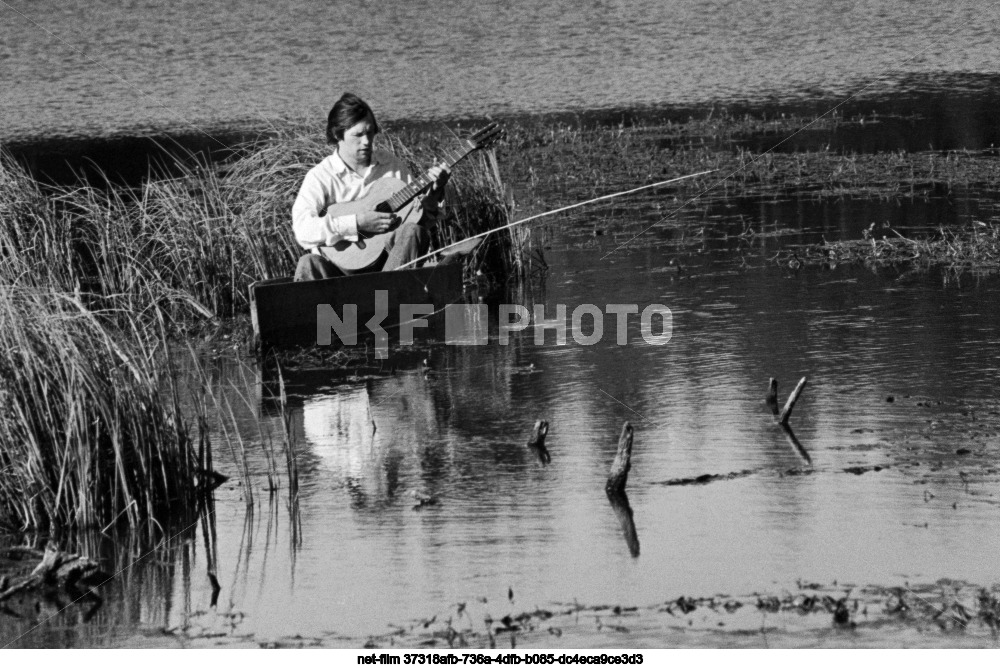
column 499, row 331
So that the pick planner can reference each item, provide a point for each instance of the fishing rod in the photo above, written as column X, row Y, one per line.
column 468, row 240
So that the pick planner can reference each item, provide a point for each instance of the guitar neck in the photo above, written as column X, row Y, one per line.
column 406, row 195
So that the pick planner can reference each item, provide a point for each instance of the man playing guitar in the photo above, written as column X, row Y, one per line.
column 341, row 239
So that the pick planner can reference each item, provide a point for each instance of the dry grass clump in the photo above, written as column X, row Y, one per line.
column 89, row 437
column 35, row 243
column 974, row 248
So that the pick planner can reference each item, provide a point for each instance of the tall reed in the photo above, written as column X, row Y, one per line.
column 35, row 242
column 91, row 432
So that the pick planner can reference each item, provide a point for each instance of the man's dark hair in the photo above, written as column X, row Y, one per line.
column 348, row 111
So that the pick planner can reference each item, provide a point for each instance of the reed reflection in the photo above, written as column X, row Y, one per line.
column 143, row 588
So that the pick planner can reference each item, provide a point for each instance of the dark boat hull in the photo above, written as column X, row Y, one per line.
column 285, row 312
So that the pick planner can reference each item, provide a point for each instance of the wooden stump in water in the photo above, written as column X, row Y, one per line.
column 615, row 489
column 618, row 477
column 771, row 399
column 537, row 441
column 786, row 412
column 782, row 418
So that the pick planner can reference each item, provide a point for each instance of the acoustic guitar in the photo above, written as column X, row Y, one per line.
column 390, row 195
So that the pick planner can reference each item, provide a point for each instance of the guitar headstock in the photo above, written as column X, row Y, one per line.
column 486, row 137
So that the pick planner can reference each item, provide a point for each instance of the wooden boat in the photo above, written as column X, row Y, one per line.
column 284, row 311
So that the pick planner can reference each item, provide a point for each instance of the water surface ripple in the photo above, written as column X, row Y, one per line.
column 103, row 66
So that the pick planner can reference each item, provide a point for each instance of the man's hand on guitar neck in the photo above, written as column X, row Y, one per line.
column 435, row 196
column 440, row 174
column 371, row 223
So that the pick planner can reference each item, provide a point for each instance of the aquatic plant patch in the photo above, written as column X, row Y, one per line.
column 975, row 248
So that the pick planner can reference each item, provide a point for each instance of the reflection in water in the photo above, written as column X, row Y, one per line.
column 418, row 493
column 794, row 442
column 150, row 591
column 623, row 511
column 361, row 435
column 536, row 443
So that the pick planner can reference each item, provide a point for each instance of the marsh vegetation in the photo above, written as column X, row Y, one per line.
column 109, row 419
column 99, row 281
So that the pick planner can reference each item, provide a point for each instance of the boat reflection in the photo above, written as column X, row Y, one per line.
column 398, row 428
column 361, row 434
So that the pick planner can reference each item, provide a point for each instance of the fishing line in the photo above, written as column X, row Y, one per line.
column 554, row 211
column 753, row 161
column 645, row 419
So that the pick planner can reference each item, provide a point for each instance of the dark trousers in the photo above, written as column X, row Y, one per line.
column 405, row 244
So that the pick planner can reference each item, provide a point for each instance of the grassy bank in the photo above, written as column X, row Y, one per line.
column 550, row 165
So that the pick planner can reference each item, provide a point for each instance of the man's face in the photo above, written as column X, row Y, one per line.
column 356, row 146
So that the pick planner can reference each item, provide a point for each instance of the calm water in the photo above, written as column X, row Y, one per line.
column 361, row 556
column 132, row 65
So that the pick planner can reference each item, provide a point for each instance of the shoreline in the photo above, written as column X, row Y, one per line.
column 949, row 115
column 907, row 94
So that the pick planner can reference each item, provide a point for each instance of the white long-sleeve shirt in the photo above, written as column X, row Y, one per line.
column 330, row 182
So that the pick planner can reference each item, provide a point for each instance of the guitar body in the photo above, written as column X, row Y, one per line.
column 354, row 256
